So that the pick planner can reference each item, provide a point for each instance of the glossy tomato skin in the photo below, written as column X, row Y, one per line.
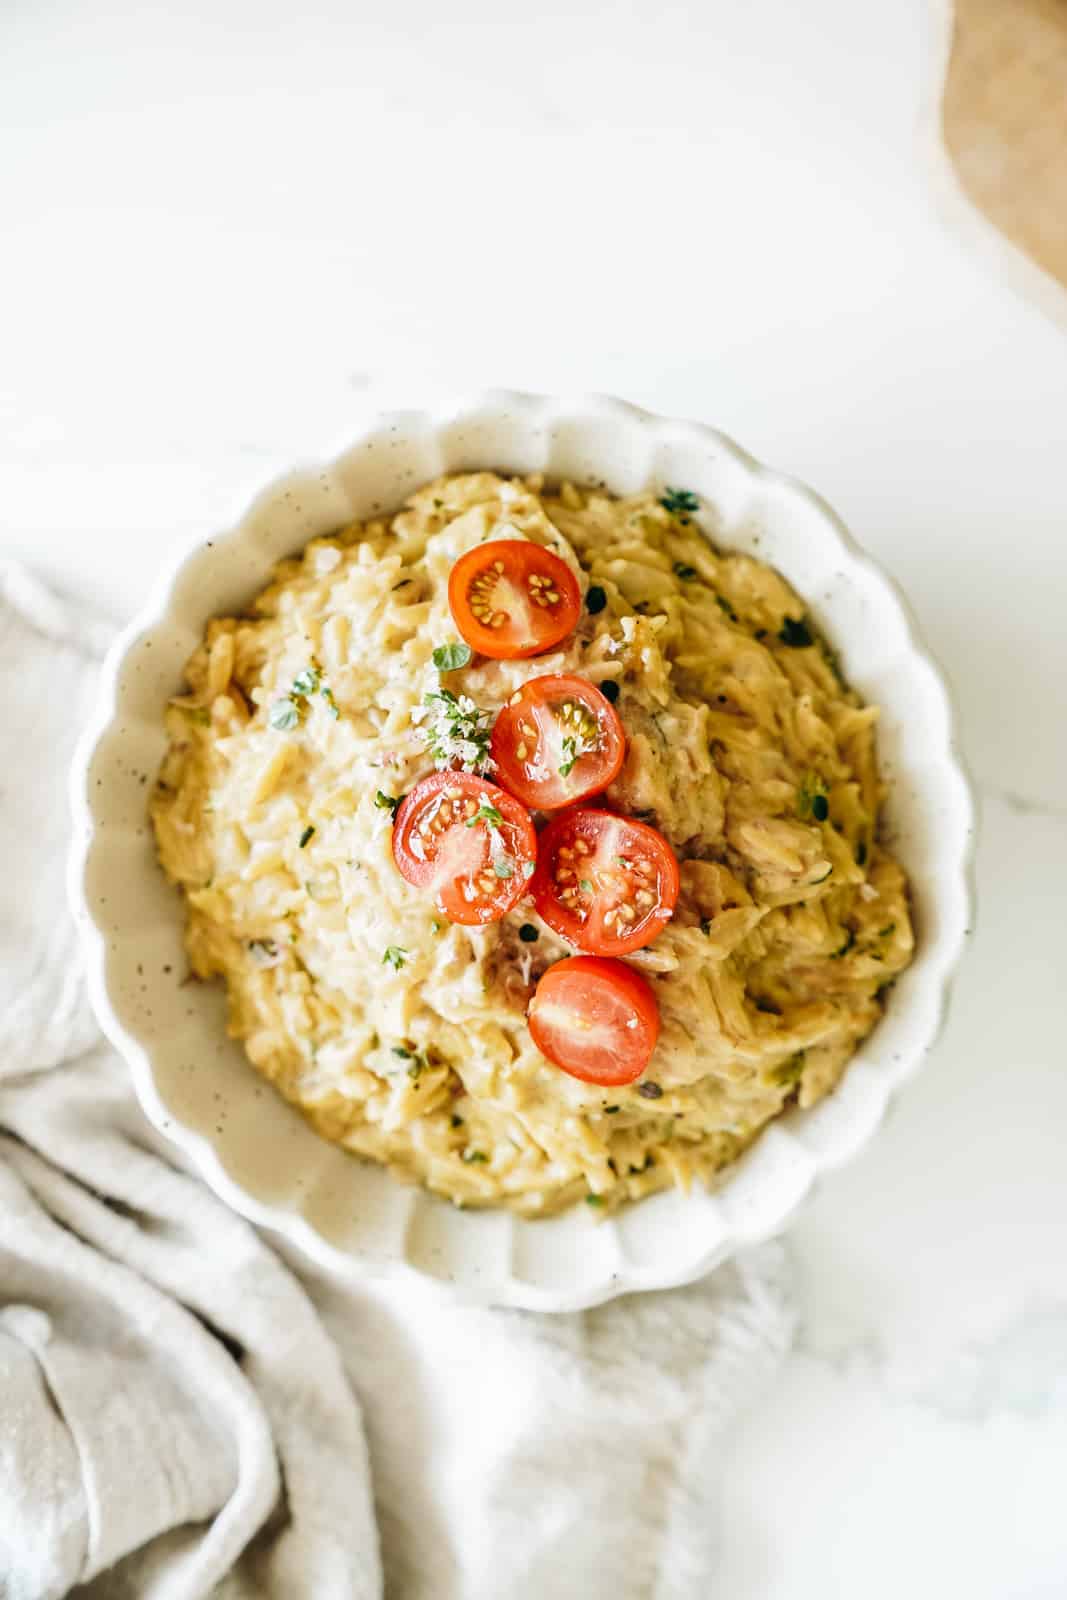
column 511, row 598
column 454, row 834
column 596, row 1019
column 606, row 883
column 541, row 730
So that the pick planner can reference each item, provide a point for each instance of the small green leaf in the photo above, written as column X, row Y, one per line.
column 796, row 633
column 595, row 599
column 679, row 501
column 486, row 813
column 585, row 886
column 306, row 835
column 386, row 802
column 283, row 716
column 472, row 1156
column 594, row 1200
column 306, row 682
column 331, row 704
column 394, row 957
column 450, row 657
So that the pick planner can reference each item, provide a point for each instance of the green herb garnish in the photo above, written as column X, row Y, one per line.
column 811, row 799
column 594, row 1199
column 585, row 886
column 610, row 1111
column 331, row 704
column 486, row 813
column 796, row 633
column 283, row 716
column 724, row 605
column 503, row 868
column 394, row 957
column 457, row 1122
column 458, row 731
column 595, row 599
column 306, row 682
column 706, row 925
column 450, row 657
column 861, row 853
column 684, row 572
column 306, row 835
column 386, row 802
column 471, row 1156
column 850, row 939
column 679, row 501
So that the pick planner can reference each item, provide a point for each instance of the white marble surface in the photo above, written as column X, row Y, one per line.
column 226, row 225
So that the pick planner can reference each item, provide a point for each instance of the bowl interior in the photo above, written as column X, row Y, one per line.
column 197, row 1084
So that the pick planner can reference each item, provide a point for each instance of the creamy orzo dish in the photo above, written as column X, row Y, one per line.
column 389, row 821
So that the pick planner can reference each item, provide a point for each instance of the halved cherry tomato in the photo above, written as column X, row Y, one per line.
column 596, row 1019
column 512, row 598
column 469, row 843
column 556, row 741
column 605, row 883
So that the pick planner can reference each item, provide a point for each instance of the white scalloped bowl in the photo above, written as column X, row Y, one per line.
column 196, row 1085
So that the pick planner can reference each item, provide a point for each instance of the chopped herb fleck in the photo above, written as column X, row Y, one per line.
column 861, row 853
column 331, row 704
column 394, row 957
column 706, row 925
column 585, row 886
column 305, row 837
column 595, row 600
column 611, row 1111
column 850, row 939
column 435, row 926
column 457, row 1122
column 306, row 682
column 650, row 1091
column 283, row 716
column 594, row 1199
column 386, row 802
column 471, row 1156
column 610, row 690
column 503, row 867
column 684, row 572
column 724, row 605
column 528, row 933
column 486, row 813
column 811, row 798
column 883, row 933
column 679, row 501
column 450, row 657
column 796, row 633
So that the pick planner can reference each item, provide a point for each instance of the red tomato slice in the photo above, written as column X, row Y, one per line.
column 556, row 741
column 605, row 883
column 596, row 1019
column 512, row 598
column 468, row 842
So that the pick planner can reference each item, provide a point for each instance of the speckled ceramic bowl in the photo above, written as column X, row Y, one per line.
column 196, row 1085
